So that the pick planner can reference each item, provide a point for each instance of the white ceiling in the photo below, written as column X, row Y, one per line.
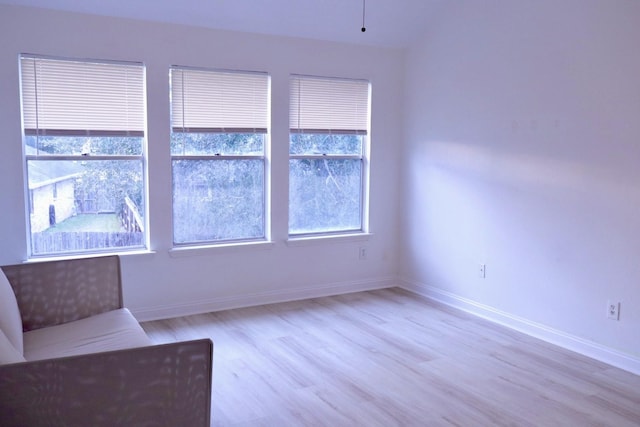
column 389, row 23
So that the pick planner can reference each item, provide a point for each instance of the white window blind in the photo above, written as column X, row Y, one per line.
column 63, row 97
column 208, row 101
column 325, row 105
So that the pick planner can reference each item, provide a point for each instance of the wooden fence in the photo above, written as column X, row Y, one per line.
column 43, row 243
column 130, row 217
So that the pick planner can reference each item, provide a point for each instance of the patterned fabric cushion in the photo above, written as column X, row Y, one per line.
column 113, row 330
column 10, row 320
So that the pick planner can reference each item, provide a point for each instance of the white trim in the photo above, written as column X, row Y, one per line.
column 123, row 252
column 305, row 240
column 227, row 247
column 144, row 314
column 574, row 343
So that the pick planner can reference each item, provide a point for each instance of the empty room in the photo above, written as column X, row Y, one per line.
column 320, row 212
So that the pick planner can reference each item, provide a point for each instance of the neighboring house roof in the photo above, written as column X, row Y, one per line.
column 43, row 173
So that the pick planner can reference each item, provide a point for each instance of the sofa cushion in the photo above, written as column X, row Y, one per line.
column 8, row 353
column 10, row 320
column 113, row 330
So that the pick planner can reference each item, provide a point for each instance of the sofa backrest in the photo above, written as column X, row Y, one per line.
column 53, row 292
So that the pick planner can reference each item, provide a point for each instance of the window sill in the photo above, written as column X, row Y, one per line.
column 328, row 238
column 188, row 251
column 125, row 253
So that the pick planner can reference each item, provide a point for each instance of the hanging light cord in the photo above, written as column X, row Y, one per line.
column 363, row 11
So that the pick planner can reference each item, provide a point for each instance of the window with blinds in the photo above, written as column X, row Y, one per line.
column 219, row 128
column 328, row 120
column 83, row 136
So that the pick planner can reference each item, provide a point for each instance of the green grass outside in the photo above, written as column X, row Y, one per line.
column 88, row 222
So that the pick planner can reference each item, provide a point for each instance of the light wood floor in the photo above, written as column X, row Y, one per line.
column 391, row 358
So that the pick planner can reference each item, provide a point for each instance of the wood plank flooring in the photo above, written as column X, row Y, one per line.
column 392, row 358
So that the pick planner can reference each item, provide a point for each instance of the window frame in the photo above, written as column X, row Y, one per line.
column 363, row 157
column 82, row 157
column 264, row 158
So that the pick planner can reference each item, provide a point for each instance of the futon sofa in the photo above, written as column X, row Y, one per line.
column 71, row 354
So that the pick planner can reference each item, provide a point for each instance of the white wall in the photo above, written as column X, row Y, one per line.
column 158, row 284
column 523, row 152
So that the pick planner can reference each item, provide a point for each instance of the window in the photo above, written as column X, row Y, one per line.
column 219, row 123
column 327, row 146
column 84, row 139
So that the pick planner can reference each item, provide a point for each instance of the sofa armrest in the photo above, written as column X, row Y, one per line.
column 168, row 384
column 53, row 292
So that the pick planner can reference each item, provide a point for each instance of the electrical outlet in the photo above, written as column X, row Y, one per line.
column 482, row 271
column 613, row 310
column 362, row 253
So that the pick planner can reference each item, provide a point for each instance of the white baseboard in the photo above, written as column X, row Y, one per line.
column 570, row 342
column 144, row 314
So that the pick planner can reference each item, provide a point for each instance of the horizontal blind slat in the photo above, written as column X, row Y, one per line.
column 61, row 95
column 211, row 99
column 332, row 105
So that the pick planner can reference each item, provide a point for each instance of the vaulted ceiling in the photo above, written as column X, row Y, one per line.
column 389, row 23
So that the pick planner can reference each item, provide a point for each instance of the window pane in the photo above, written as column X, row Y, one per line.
column 84, row 205
column 82, row 145
column 186, row 144
column 215, row 200
column 303, row 143
column 325, row 195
